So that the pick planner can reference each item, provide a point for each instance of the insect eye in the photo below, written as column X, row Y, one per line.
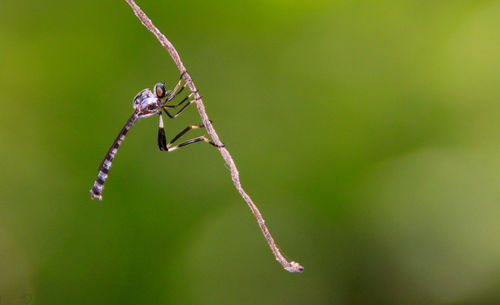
column 160, row 90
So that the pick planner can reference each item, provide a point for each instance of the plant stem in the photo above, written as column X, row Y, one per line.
column 289, row 266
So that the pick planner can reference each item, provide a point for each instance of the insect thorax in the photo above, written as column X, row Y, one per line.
column 146, row 103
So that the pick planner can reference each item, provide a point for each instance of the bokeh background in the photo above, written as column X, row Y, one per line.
column 366, row 131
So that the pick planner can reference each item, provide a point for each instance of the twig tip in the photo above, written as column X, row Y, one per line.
column 294, row 267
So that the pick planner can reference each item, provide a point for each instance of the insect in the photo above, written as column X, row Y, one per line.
column 146, row 104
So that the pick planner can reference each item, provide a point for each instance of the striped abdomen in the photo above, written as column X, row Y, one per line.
column 96, row 191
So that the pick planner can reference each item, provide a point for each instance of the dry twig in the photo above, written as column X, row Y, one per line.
column 289, row 266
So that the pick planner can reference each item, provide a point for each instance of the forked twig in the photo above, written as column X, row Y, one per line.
column 289, row 266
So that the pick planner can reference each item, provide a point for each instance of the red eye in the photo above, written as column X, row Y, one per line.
column 160, row 90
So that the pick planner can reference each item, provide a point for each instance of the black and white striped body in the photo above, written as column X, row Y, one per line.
column 145, row 104
column 96, row 191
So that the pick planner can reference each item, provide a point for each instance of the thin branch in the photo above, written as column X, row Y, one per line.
column 289, row 266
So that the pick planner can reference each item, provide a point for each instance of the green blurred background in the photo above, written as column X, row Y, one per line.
column 366, row 131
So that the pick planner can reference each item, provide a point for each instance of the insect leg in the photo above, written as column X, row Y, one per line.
column 162, row 139
column 176, row 90
column 198, row 139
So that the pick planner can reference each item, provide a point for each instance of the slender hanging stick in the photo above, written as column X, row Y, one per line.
column 289, row 266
